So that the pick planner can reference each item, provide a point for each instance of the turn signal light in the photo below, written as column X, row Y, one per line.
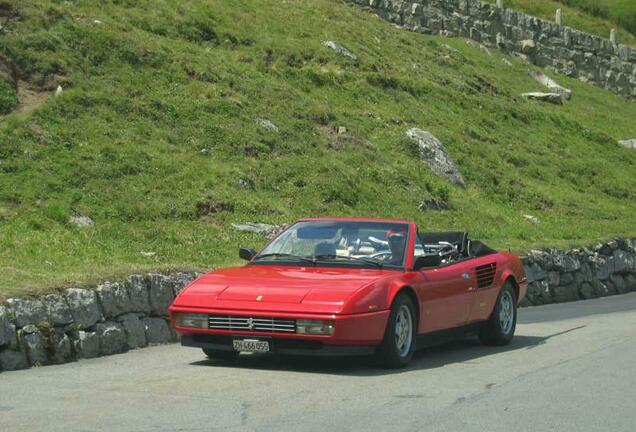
column 315, row 327
column 191, row 320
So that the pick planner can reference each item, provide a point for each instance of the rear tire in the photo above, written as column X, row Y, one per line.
column 398, row 345
column 220, row 355
column 500, row 327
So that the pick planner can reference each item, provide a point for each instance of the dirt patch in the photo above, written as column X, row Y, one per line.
column 339, row 138
column 30, row 98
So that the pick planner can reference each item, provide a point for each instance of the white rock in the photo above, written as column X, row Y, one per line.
column 551, row 84
column 267, row 124
column 58, row 91
column 339, row 49
column 506, row 62
column 531, row 218
column 81, row 221
column 630, row 144
column 554, row 98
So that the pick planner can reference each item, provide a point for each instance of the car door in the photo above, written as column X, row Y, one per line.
column 445, row 296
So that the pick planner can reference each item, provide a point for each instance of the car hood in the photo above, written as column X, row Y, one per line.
column 278, row 288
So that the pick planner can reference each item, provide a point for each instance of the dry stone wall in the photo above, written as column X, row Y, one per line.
column 547, row 44
column 589, row 272
column 84, row 323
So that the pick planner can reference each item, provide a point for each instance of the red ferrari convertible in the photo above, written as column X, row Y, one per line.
column 343, row 286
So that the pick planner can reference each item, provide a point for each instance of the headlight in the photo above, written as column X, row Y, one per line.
column 191, row 320
column 316, row 327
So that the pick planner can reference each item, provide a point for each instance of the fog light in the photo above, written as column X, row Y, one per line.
column 191, row 320
column 316, row 327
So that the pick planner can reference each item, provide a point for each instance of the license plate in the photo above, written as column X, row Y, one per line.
column 250, row 345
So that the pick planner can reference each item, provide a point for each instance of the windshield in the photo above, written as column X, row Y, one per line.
column 378, row 244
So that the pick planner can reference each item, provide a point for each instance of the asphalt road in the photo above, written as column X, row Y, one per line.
column 571, row 367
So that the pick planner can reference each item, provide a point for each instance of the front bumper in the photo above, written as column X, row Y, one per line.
column 355, row 330
column 283, row 346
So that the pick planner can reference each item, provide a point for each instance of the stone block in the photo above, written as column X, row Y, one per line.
column 34, row 345
column 114, row 299
column 619, row 283
column 7, row 330
column 139, row 296
column 112, row 338
column 157, row 330
column 135, row 330
column 62, row 345
column 87, row 345
column 84, row 307
column 57, row 309
column 27, row 312
column 161, row 294
column 13, row 360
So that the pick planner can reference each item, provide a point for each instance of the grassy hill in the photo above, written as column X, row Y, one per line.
column 593, row 16
column 156, row 135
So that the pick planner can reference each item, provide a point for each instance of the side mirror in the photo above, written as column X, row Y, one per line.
column 427, row 261
column 247, row 253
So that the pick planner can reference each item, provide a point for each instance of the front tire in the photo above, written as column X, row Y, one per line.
column 500, row 328
column 398, row 345
column 220, row 355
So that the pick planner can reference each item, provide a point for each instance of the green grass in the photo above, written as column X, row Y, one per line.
column 592, row 16
column 157, row 123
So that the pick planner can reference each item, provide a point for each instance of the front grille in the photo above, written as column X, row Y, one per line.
column 486, row 274
column 264, row 324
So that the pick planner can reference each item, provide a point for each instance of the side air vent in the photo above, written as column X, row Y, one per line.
column 486, row 274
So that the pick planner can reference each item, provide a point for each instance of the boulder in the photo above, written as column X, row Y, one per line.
column 112, row 338
column 434, row 154
column 28, row 311
column 553, row 98
column 554, row 278
column 114, row 299
column 84, row 307
column 552, row 85
column 138, row 291
column 161, row 294
column 87, row 344
column 58, row 310
column 630, row 143
column 13, row 360
column 157, row 330
column 7, row 330
column 630, row 282
column 339, row 49
column 135, row 330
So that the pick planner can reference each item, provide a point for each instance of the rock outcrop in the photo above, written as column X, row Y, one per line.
column 434, row 154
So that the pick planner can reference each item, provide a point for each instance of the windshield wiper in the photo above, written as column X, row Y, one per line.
column 286, row 255
column 351, row 258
